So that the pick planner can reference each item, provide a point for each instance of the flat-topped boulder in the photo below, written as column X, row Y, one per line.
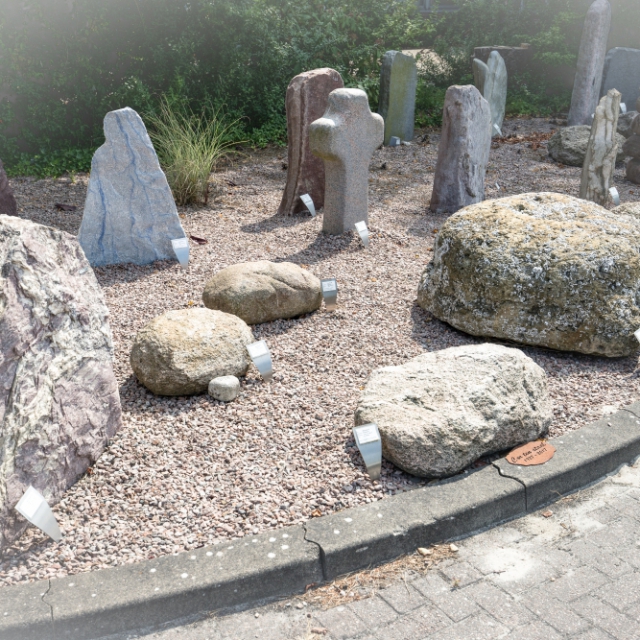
column 569, row 145
column 541, row 269
column 263, row 291
column 441, row 411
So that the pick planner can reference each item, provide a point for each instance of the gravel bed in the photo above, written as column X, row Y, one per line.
column 187, row 472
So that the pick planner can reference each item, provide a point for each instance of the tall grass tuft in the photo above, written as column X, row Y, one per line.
column 189, row 146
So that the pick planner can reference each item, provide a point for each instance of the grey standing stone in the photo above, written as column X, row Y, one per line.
column 307, row 99
column 463, row 153
column 593, row 49
column 398, row 83
column 602, row 150
column 129, row 213
column 345, row 138
column 7, row 201
column 491, row 80
column 622, row 72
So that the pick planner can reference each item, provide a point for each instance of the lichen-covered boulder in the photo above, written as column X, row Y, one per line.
column 443, row 410
column 541, row 269
column 263, row 291
column 628, row 209
column 180, row 352
column 569, row 145
column 59, row 402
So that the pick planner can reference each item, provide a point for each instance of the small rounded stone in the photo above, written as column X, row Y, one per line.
column 224, row 388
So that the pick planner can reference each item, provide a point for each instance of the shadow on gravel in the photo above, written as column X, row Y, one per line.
column 325, row 246
column 276, row 221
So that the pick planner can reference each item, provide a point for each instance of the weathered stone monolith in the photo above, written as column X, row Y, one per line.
column 345, row 138
column 463, row 153
column 398, row 83
column 307, row 99
column 622, row 72
column 593, row 49
column 602, row 150
column 491, row 80
column 129, row 213
column 7, row 200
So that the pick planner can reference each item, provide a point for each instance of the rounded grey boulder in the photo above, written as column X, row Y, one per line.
column 263, row 291
column 224, row 388
column 442, row 411
column 569, row 145
column 180, row 352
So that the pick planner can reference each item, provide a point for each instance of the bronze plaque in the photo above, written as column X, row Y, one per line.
column 537, row 452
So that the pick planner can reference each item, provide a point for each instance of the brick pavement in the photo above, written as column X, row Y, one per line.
column 575, row 574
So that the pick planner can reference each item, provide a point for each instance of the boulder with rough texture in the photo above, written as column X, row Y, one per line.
column 491, row 79
column 628, row 209
column 625, row 123
column 263, row 291
column 622, row 72
column 180, row 352
column 345, row 138
column 397, row 103
column 569, row 145
column 463, row 152
column 307, row 99
column 441, row 411
column 59, row 401
column 224, row 388
column 633, row 171
column 8, row 205
column 129, row 214
column 631, row 147
column 591, row 56
column 541, row 269
column 600, row 161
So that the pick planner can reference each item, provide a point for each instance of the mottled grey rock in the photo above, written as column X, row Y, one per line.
column 633, row 171
column 59, row 402
column 463, row 152
column 625, row 123
column 628, row 209
column 7, row 200
column 345, row 138
column 307, row 99
column 263, row 291
column 180, row 352
column 129, row 213
column 569, row 145
column 602, row 149
column 491, row 80
column 622, row 72
column 542, row 269
column 593, row 49
column 441, row 411
column 224, row 388
column 631, row 147
column 397, row 102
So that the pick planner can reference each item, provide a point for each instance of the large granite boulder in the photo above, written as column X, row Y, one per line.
column 263, row 291
column 59, row 401
column 541, row 269
column 569, row 145
column 129, row 214
column 441, row 411
column 628, row 209
column 7, row 200
column 180, row 352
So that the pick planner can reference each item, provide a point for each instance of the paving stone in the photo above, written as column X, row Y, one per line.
column 432, row 585
column 606, row 514
column 600, row 559
column 619, row 533
column 460, row 573
column 456, row 604
column 479, row 627
column 402, row 597
column 575, row 583
column 498, row 604
column 623, row 592
column 554, row 612
column 341, row 623
column 628, row 506
column 606, row 618
column 418, row 624
column 271, row 625
column 594, row 634
column 536, row 630
column 374, row 612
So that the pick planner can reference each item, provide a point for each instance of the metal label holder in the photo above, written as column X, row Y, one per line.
column 615, row 196
column 37, row 511
column 369, row 444
column 623, row 107
column 361, row 228
column 330, row 293
column 261, row 356
column 497, row 128
column 308, row 202
column 181, row 249
column 394, row 141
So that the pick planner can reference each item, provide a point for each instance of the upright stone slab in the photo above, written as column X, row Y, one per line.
column 7, row 201
column 491, row 80
column 129, row 213
column 602, row 150
column 463, row 153
column 307, row 99
column 593, row 49
column 345, row 138
column 622, row 72
column 398, row 83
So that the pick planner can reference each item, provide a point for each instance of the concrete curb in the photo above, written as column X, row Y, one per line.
column 285, row 562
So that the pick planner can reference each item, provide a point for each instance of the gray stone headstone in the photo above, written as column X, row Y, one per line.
column 129, row 214
column 397, row 104
column 622, row 72
column 593, row 49
column 345, row 138
column 491, row 80
column 463, row 152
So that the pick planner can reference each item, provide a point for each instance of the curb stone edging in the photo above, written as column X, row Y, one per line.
column 286, row 561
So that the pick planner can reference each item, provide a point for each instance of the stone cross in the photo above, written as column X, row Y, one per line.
column 602, row 150
column 307, row 99
column 129, row 214
column 397, row 104
column 463, row 152
column 345, row 138
column 593, row 49
column 491, row 80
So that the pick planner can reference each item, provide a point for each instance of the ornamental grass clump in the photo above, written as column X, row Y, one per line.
column 189, row 147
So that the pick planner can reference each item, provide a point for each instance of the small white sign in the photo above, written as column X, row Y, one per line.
column 497, row 128
column 329, row 285
column 180, row 243
column 394, row 141
column 367, row 433
column 637, row 335
column 29, row 503
column 308, row 202
column 615, row 196
column 258, row 349
column 623, row 107
column 181, row 249
column 361, row 226
column 37, row 511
